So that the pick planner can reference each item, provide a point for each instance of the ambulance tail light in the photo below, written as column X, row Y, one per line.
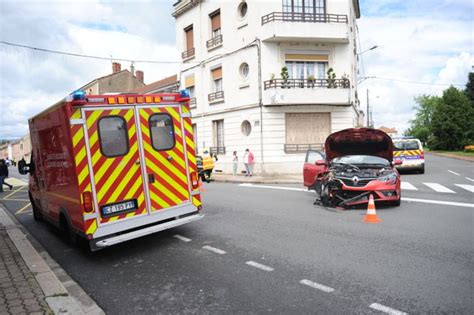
column 194, row 180
column 422, row 154
column 87, row 201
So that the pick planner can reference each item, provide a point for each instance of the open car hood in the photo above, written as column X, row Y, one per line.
column 359, row 141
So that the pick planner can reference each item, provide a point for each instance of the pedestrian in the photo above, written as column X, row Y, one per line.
column 248, row 162
column 235, row 161
column 3, row 175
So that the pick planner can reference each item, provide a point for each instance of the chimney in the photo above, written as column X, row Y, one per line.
column 132, row 69
column 116, row 67
column 140, row 76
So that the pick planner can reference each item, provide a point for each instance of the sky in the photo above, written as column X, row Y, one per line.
column 425, row 41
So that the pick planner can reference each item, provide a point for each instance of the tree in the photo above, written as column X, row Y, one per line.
column 451, row 121
column 470, row 88
column 421, row 126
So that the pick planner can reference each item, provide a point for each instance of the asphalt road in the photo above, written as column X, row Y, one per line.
column 316, row 260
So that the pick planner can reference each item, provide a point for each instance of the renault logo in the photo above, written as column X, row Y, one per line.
column 355, row 179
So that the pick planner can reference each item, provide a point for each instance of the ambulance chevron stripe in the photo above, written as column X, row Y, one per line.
column 190, row 148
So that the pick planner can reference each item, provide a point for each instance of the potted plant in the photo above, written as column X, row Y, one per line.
column 331, row 80
column 311, row 80
column 272, row 78
column 345, row 81
column 284, row 76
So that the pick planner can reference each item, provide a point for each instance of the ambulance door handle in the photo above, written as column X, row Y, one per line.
column 151, row 178
column 169, row 158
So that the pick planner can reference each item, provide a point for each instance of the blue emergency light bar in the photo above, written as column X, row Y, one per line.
column 78, row 95
column 184, row 93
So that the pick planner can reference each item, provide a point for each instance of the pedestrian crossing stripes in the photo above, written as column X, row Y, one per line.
column 408, row 186
column 439, row 188
column 467, row 187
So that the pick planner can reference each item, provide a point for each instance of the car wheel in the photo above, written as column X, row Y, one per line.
column 422, row 170
column 397, row 203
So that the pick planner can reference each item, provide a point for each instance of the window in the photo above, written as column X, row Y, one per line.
column 215, row 23
column 113, row 136
column 246, row 128
column 189, row 85
column 217, row 79
column 242, row 9
column 305, row 69
column 162, row 132
column 304, row 6
column 189, row 34
column 244, row 71
column 218, row 133
column 313, row 156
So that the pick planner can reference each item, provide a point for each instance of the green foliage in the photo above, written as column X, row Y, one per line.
column 284, row 73
column 470, row 88
column 331, row 78
column 421, row 126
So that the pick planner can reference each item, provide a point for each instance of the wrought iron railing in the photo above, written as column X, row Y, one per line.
column 192, row 102
column 217, row 150
column 306, row 83
column 188, row 53
column 214, row 42
column 304, row 17
column 303, row 147
column 216, row 96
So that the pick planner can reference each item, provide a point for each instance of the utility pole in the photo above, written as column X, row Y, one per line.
column 367, row 112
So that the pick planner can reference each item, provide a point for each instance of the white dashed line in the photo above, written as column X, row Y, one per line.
column 407, row 186
column 259, row 266
column 440, row 202
column 315, row 285
column 182, row 238
column 273, row 187
column 453, row 172
column 215, row 250
column 467, row 187
column 439, row 188
column 386, row 309
column 472, row 180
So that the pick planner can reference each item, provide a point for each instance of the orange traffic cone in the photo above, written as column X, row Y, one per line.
column 371, row 216
column 201, row 187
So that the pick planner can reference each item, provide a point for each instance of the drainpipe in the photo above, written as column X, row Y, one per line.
column 260, row 101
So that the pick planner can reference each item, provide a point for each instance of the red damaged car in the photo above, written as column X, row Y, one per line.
column 357, row 162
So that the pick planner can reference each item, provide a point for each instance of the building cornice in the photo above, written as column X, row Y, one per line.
column 356, row 8
column 183, row 6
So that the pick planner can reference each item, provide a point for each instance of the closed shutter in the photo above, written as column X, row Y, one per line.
column 216, row 21
column 189, row 81
column 189, row 38
column 306, row 57
column 307, row 128
column 216, row 73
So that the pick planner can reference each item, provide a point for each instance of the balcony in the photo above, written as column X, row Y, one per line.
column 217, row 150
column 192, row 103
column 278, row 92
column 188, row 54
column 214, row 42
column 216, row 97
column 302, row 148
column 307, row 27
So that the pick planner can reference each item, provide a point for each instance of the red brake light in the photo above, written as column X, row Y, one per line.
column 87, row 201
column 194, row 180
column 422, row 154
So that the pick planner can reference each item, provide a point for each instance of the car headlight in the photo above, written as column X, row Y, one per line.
column 389, row 179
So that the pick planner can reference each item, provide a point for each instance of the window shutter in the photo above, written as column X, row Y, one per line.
column 301, row 57
column 216, row 21
column 189, row 81
column 189, row 38
column 216, row 73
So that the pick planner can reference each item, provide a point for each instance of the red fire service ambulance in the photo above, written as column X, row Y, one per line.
column 110, row 168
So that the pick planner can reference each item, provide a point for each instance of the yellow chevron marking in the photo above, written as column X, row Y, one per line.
column 162, row 160
column 158, row 200
column 124, row 184
column 78, row 137
column 80, row 156
column 190, row 143
column 93, row 117
column 167, row 178
column 92, row 228
column 169, row 194
column 196, row 202
column 113, row 219
column 83, row 174
column 188, row 127
column 76, row 114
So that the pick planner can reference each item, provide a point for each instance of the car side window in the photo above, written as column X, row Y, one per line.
column 313, row 156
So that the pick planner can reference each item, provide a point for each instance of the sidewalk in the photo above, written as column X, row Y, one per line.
column 453, row 156
column 27, row 283
column 274, row 179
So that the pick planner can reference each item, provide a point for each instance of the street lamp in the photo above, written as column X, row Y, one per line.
column 362, row 52
column 371, row 48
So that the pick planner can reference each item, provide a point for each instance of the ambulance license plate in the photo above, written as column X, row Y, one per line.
column 119, row 207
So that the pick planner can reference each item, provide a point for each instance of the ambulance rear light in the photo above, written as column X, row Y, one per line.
column 194, row 180
column 87, row 201
column 422, row 154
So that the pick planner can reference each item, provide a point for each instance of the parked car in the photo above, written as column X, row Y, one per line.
column 357, row 162
column 410, row 152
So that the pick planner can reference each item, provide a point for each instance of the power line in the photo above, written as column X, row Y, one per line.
column 87, row 56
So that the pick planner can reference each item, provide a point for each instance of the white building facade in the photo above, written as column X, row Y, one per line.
column 233, row 56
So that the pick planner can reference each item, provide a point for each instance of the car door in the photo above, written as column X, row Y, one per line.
column 310, row 169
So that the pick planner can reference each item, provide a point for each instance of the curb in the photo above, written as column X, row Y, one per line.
column 453, row 156
column 254, row 180
column 63, row 297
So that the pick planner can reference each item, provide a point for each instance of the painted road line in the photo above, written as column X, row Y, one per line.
column 15, row 199
column 439, row 188
column 23, row 209
column 407, row 186
column 315, row 285
column 467, row 187
column 12, row 193
column 215, row 250
column 259, row 266
column 440, row 202
column 182, row 238
column 386, row 309
column 454, row 173
column 472, row 180
column 273, row 187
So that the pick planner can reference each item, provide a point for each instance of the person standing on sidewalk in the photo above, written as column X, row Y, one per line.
column 248, row 162
column 3, row 175
column 235, row 162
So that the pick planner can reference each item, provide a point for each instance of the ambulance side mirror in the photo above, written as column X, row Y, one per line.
column 24, row 168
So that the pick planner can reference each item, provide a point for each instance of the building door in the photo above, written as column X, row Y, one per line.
column 307, row 130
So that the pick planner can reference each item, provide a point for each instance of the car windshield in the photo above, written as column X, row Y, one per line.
column 405, row 145
column 360, row 159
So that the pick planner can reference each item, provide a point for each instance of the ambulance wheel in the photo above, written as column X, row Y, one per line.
column 37, row 215
column 422, row 170
column 67, row 231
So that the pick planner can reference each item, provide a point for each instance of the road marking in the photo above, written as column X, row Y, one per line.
column 15, row 199
column 440, row 202
column 23, row 209
column 439, row 188
column 408, row 186
column 467, row 187
column 215, row 250
column 259, row 266
column 315, row 285
column 182, row 238
column 273, row 187
column 453, row 172
column 472, row 180
column 386, row 309
column 12, row 193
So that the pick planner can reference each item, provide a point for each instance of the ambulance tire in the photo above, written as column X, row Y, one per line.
column 66, row 229
column 37, row 215
column 422, row 170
